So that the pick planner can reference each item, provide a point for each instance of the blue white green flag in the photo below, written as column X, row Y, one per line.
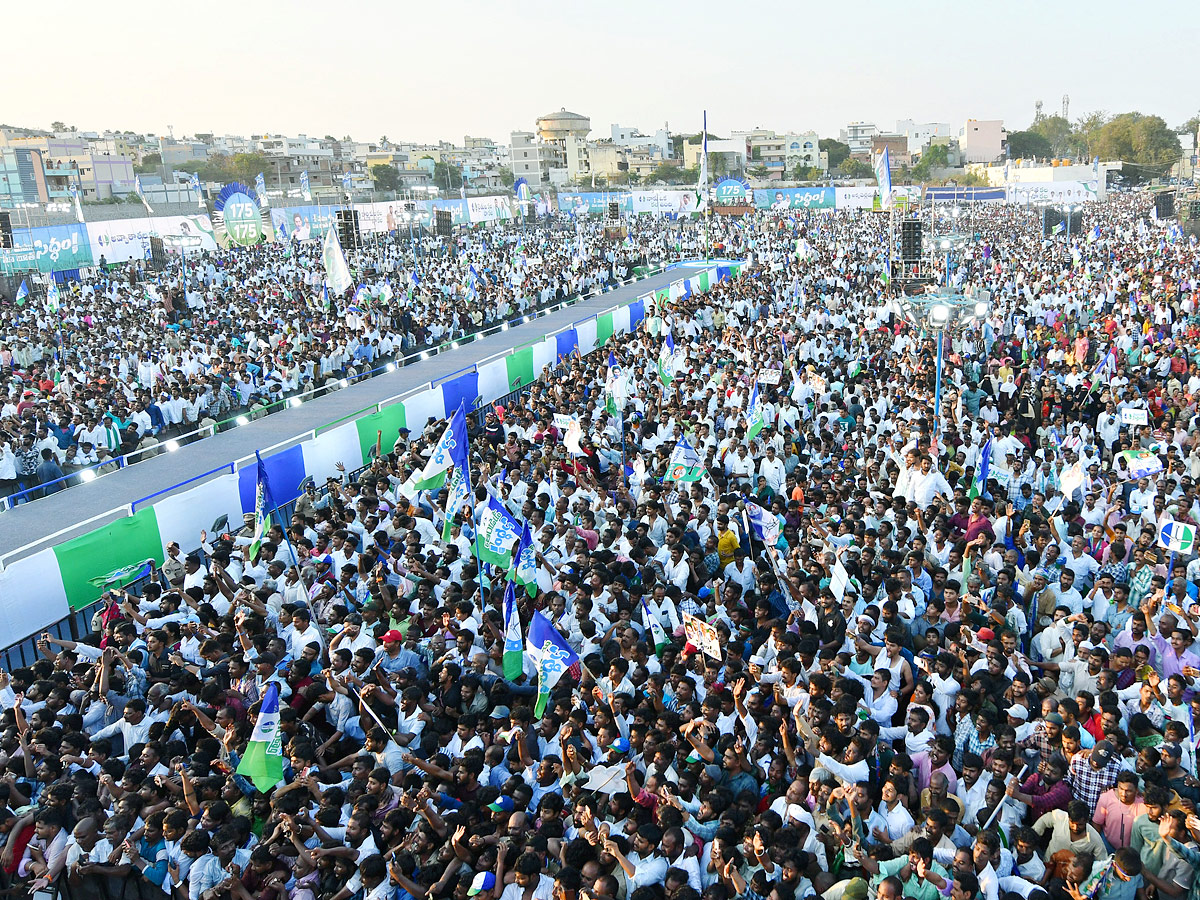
column 263, row 760
column 514, row 644
column 497, row 534
column 451, row 450
column 754, row 415
column 685, row 463
column 525, row 562
column 552, row 654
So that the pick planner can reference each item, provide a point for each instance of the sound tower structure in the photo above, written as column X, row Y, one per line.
column 347, row 226
column 614, row 210
column 1052, row 217
column 6, row 234
column 911, row 232
column 1164, row 204
column 442, row 221
column 158, row 255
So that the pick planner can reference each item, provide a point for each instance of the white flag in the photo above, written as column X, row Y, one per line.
column 337, row 273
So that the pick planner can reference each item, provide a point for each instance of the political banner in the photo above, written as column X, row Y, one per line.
column 1052, row 191
column 702, row 635
column 965, row 195
column 854, row 197
column 769, row 376
column 120, row 240
column 732, row 192
column 666, row 203
column 237, row 217
column 489, row 209
column 1177, row 537
column 303, row 223
column 460, row 213
column 595, row 203
column 51, row 249
column 1133, row 416
column 783, row 199
column 1139, row 463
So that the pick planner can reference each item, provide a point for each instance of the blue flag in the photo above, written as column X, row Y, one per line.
column 552, row 655
column 979, row 485
column 263, row 761
column 22, row 293
column 763, row 523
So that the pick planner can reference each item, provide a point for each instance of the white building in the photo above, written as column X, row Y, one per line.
column 532, row 159
column 624, row 136
column 920, row 134
column 982, row 140
column 857, row 136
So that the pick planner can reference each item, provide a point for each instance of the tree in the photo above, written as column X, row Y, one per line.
column 58, row 126
column 506, row 176
column 935, row 156
column 1134, row 137
column 385, row 176
column 150, row 162
column 806, row 173
column 759, row 171
column 838, row 152
column 1026, row 144
column 1057, row 131
column 1191, row 126
column 1087, row 130
column 854, row 168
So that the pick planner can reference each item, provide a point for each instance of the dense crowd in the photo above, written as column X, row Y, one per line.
column 827, row 643
column 132, row 358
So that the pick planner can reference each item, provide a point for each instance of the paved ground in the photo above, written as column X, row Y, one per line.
column 31, row 521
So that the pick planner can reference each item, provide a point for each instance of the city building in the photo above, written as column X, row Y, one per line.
column 660, row 141
column 22, row 178
column 727, row 157
column 896, row 146
column 982, row 140
column 531, row 159
column 68, row 161
column 857, row 136
column 919, row 134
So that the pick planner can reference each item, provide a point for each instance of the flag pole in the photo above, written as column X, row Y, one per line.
column 474, row 523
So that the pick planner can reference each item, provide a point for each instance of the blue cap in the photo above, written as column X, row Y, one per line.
column 483, row 881
column 502, row 804
column 621, row 745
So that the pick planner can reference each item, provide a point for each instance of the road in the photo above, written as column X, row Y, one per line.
column 31, row 522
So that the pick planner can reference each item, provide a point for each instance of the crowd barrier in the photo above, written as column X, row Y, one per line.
column 51, row 588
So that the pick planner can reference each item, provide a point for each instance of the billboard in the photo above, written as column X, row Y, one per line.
column 782, row 199
column 51, row 249
column 1052, row 191
column 489, row 209
column 594, row 203
column 964, row 195
column 302, row 223
column 120, row 240
column 732, row 192
column 855, row 197
column 237, row 217
column 666, row 203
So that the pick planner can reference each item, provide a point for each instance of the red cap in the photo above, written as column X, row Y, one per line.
column 986, row 634
column 392, row 635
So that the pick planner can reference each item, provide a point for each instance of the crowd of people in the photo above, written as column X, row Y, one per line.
column 131, row 358
column 829, row 642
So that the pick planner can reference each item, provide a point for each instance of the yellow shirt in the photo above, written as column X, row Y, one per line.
column 727, row 544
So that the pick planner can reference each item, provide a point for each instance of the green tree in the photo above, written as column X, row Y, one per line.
column 1026, row 144
column 150, row 162
column 854, row 168
column 838, row 152
column 936, row 156
column 1087, row 130
column 1190, row 126
column 1057, row 131
column 806, row 173
column 1138, row 138
column 385, row 176
column 506, row 176
column 759, row 171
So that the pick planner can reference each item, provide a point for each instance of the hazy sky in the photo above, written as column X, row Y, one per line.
column 424, row 71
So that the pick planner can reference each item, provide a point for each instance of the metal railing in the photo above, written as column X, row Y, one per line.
column 245, row 415
column 77, row 625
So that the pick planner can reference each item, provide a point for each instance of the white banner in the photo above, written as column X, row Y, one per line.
column 1052, row 191
column 489, row 209
column 1131, row 416
column 664, row 202
column 119, row 240
column 854, row 197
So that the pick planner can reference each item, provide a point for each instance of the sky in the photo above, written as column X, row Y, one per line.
column 434, row 71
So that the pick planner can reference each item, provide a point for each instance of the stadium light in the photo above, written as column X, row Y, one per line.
column 939, row 315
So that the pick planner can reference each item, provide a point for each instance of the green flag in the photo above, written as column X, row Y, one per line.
column 263, row 761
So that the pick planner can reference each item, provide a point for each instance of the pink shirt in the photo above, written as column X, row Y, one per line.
column 1115, row 819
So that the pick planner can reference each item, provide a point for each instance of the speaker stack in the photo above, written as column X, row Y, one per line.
column 347, row 226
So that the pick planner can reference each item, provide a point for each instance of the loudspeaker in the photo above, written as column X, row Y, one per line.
column 6, row 238
column 1164, row 204
column 158, row 256
column 442, row 220
column 614, row 209
column 347, row 226
column 1075, row 222
column 910, row 240
column 1053, row 221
